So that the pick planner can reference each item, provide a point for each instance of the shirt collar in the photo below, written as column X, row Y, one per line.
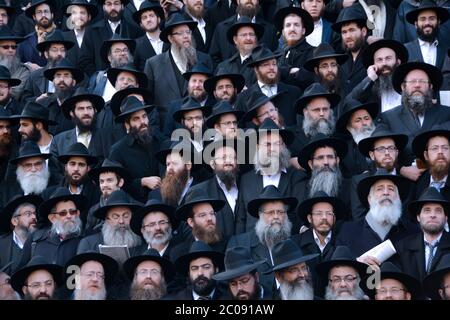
column 17, row 241
column 422, row 43
column 318, row 23
column 327, row 238
column 196, row 296
column 222, row 185
column 435, row 241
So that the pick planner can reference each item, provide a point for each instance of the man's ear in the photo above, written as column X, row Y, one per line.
column 310, row 164
column 190, row 222
column 121, row 183
column 309, row 217
column 372, row 155
column 51, row 217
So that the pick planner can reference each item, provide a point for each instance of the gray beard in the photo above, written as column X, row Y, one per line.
column 80, row 294
column 113, row 236
column 12, row 63
column 357, row 294
column 154, row 293
column 417, row 104
column 270, row 235
column 296, row 291
column 65, row 228
column 363, row 133
column 269, row 165
column 385, row 83
column 188, row 56
column 152, row 241
column 385, row 214
column 117, row 63
column 33, row 183
column 328, row 181
column 324, row 126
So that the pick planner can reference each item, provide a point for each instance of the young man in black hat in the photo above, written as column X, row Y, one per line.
column 7, row 99
column 260, row 107
column 437, row 284
column 225, row 119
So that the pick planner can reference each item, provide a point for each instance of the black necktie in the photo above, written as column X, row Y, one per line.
column 204, row 298
column 117, row 29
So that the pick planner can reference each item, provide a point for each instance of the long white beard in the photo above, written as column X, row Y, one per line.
column 65, row 228
column 296, row 291
column 270, row 235
column 33, row 182
column 357, row 294
column 152, row 241
column 364, row 133
column 113, row 236
column 387, row 213
column 325, row 180
column 80, row 294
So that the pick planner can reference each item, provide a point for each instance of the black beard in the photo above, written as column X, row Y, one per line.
column 45, row 25
column 114, row 19
column 35, row 135
column 203, row 289
column 332, row 86
column 359, row 43
column 427, row 37
column 228, row 177
column 143, row 138
column 73, row 182
column 248, row 12
column 63, row 94
column 85, row 127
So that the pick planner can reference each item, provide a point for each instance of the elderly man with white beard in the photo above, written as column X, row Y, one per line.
column 383, row 194
column 271, row 208
column 292, row 271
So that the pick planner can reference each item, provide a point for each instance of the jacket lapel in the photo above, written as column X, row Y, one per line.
column 417, row 249
column 409, row 122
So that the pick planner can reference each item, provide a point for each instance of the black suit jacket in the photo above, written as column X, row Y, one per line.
column 416, row 55
column 73, row 55
column 424, row 182
column 144, row 51
column 234, row 65
column 36, row 85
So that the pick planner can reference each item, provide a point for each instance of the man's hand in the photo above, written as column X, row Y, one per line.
column 294, row 70
column 42, row 96
column 372, row 72
column 369, row 260
column 412, row 172
column 32, row 66
column 151, row 182
column 372, row 39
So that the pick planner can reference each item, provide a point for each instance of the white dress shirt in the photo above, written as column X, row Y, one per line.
column 157, row 44
column 317, row 240
column 113, row 25
column 390, row 100
column 80, row 137
column 273, row 180
column 79, row 35
column 109, row 90
column 17, row 241
column 268, row 90
column 315, row 38
column 231, row 194
column 429, row 51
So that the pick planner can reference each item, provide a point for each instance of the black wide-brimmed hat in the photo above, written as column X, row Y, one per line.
column 194, row 197
column 5, row 75
column 35, row 111
column 354, row 13
column 110, row 166
column 113, row 73
column 119, row 96
column 78, row 150
column 433, row 282
column 220, row 109
column 429, row 195
column 442, row 12
column 324, row 51
column 115, row 38
column 307, row 20
column 7, row 34
column 168, row 146
column 316, row 90
column 244, row 21
column 29, row 12
column 198, row 249
column 64, row 64
column 167, row 267
column 320, row 141
column 153, row 205
column 420, row 142
column 287, row 253
column 110, row 265
column 402, row 71
column 190, row 104
column 62, row 194
column 29, row 149
column 198, row 68
column 124, row 2
column 260, row 54
column 129, row 106
column 238, row 262
column 341, row 257
column 269, row 126
column 9, row 10
column 6, row 115
column 403, row 185
column 118, row 198
column 237, row 79
column 37, row 262
column 56, row 36
column 8, row 210
column 268, row 194
column 352, row 105
column 146, row 6
column 305, row 208
column 81, row 94
column 400, row 51
column 256, row 100
column 176, row 19
column 366, row 144
column 90, row 7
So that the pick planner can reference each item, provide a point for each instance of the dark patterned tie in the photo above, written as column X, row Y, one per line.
column 430, row 255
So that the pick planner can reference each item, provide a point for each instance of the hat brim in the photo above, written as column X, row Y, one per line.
column 121, row 117
column 17, row 117
column 400, row 51
column 113, row 73
column 94, row 173
column 420, row 141
column 314, row 62
column 138, row 217
column 254, row 205
column 403, row 186
column 307, row 20
column 40, row 155
column 432, row 283
column 69, row 103
column 101, row 212
column 372, row 108
column 237, row 272
column 304, row 209
column 251, row 113
column 441, row 12
column 91, row 8
column 339, row 146
column 29, row 12
column 77, row 74
column 118, row 97
column 324, row 268
column 91, row 160
column 110, row 266
column 333, row 99
column 106, row 45
column 415, row 207
column 366, row 145
column 157, row 9
column 338, row 25
column 164, row 35
column 42, row 46
column 182, row 263
column 232, row 30
column 294, row 262
column 12, row 82
column 237, row 79
column 412, row 284
column 19, row 277
column 183, row 212
column 8, row 210
column 46, row 207
column 167, row 267
column 177, row 115
column 434, row 74
column 254, row 63
column 211, row 120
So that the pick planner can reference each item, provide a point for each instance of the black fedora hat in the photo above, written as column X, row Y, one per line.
column 115, row 38
column 153, row 205
column 305, row 207
column 146, row 6
column 5, row 114
column 113, row 73
column 352, row 105
column 341, row 257
column 324, row 51
column 35, row 111
column 90, row 7
column 13, row 204
column 256, row 100
column 220, row 109
column 429, row 195
column 81, row 94
column 62, row 194
column 190, row 104
column 124, row 2
column 238, row 262
column 269, row 126
column 319, row 141
column 37, row 262
column 260, row 54
column 9, row 9
column 29, row 12
column 287, row 253
column 366, row 144
column 109, row 166
column 129, row 106
column 118, row 198
column 237, row 79
column 78, row 150
column 5, row 75
column 151, row 254
column 194, row 197
column 269, row 193
column 402, row 71
column 316, row 90
column 244, row 21
column 110, row 266
column 29, row 149
column 198, row 249
column 7, row 34
column 119, row 96
column 442, row 12
column 186, row 150
column 402, row 183
column 433, row 281
column 354, row 13
column 175, row 19
column 198, row 68
column 64, row 64
column 420, row 142
column 400, row 50
column 54, row 37
column 307, row 20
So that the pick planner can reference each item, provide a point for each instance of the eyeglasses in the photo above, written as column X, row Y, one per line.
column 9, row 46
column 203, row 215
column 56, row 50
column 303, row 269
column 192, row 119
column 327, row 156
column 242, row 282
column 267, row 145
column 328, row 66
column 26, row 214
column 29, row 165
column 267, row 113
column 382, row 149
column 245, row 35
column 417, row 81
column 274, row 212
column 36, row 285
column 64, row 213
column 93, row 274
column 161, row 223
column 145, row 272
column 225, row 159
column 119, row 51
column 393, row 291
column 435, row 148
column 116, row 217
column 346, row 279
column 229, row 124
column 42, row 12
column 182, row 33
column 323, row 214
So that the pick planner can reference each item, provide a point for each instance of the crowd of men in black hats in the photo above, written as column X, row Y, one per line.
column 237, row 150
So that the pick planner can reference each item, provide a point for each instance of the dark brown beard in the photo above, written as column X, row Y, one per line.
column 172, row 187
column 439, row 170
column 209, row 237
column 248, row 12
